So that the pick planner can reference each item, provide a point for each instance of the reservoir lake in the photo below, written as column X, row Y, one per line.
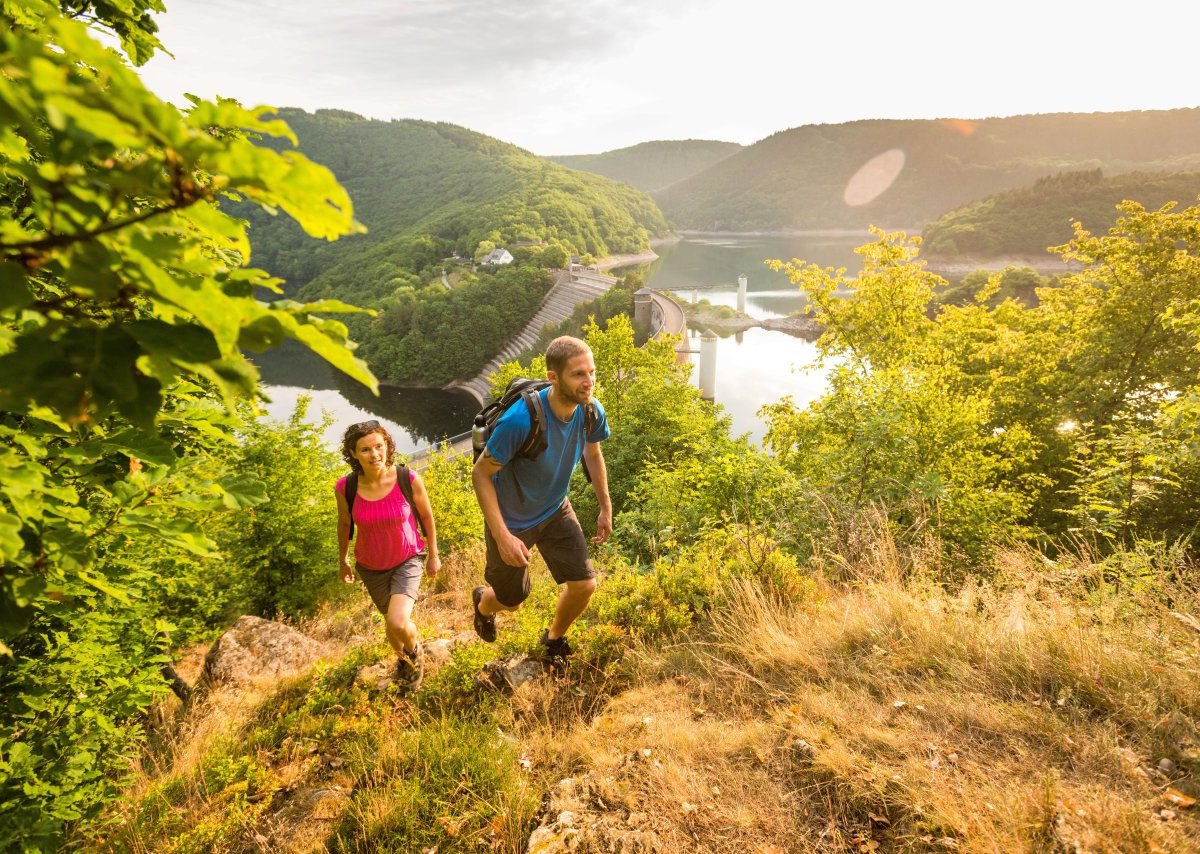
column 754, row 367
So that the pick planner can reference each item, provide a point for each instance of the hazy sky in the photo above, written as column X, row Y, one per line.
column 585, row 76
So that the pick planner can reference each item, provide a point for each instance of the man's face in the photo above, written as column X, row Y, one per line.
column 577, row 379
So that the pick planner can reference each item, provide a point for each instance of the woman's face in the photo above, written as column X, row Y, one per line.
column 371, row 452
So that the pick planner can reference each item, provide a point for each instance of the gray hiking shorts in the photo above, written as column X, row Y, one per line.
column 404, row 579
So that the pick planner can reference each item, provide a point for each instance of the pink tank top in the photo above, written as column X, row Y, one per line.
column 385, row 530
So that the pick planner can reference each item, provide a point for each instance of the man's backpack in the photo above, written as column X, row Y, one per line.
column 526, row 390
column 403, row 480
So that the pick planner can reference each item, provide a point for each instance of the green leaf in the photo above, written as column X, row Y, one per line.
column 14, row 288
column 185, row 342
column 11, row 545
column 143, row 445
column 180, row 533
column 243, row 491
column 104, row 586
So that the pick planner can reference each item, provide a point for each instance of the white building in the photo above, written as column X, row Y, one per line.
column 497, row 257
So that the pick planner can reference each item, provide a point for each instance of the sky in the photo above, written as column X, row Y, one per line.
column 572, row 77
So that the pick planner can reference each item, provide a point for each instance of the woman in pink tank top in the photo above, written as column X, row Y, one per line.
column 389, row 547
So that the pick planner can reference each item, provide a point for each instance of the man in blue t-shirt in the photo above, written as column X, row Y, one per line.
column 525, row 502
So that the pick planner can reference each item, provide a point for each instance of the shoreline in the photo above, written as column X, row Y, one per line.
column 612, row 261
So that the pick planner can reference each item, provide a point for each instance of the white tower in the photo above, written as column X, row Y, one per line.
column 708, row 365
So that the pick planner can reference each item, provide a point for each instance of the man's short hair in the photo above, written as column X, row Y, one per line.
column 563, row 349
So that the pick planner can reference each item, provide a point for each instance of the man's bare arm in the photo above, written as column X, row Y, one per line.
column 594, row 458
column 512, row 551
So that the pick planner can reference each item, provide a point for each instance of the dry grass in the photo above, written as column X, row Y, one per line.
column 884, row 713
column 900, row 716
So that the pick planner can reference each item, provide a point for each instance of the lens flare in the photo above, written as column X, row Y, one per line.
column 963, row 126
column 873, row 177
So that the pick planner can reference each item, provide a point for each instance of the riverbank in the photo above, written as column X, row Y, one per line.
column 961, row 265
column 612, row 261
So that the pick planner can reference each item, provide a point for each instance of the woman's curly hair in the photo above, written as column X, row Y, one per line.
column 365, row 428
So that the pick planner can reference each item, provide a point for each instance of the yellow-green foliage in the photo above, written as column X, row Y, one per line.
column 990, row 421
column 447, row 478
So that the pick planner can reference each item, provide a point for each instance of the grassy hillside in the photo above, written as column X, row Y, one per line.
column 874, row 712
column 798, row 179
column 1028, row 220
column 652, row 166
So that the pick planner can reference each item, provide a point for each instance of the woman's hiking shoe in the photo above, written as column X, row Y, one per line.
column 554, row 653
column 485, row 627
column 410, row 669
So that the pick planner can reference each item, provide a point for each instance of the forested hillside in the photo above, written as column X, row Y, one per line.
column 1028, row 220
column 427, row 191
column 798, row 179
column 652, row 166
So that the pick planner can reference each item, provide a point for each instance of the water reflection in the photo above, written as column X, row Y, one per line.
column 760, row 366
column 416, row 418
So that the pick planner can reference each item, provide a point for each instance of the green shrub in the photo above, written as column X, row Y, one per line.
column 285, row 551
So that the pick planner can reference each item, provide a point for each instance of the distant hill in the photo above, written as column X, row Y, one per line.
column 1026, row 221
column 804, row 178
column 652, row 166
column 426, row 190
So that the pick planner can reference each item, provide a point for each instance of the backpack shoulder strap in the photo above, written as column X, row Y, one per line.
column 404, row 481
column 351, row 491
column 535, row 442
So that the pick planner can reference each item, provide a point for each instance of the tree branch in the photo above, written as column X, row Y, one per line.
column 59, row 240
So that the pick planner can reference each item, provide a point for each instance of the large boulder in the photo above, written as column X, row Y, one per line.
column 256, row 649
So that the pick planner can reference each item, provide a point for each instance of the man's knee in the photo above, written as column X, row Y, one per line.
column 583, row 587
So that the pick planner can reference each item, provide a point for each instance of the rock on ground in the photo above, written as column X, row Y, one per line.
column 256, row 649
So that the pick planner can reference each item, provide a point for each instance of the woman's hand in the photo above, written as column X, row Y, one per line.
column 433, row 565
column 347, row 571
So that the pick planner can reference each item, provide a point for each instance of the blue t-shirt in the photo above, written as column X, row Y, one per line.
column 546, row 478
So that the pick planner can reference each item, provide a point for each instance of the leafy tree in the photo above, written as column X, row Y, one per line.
column 125, row 306
column 447, row 478
column 994, row 419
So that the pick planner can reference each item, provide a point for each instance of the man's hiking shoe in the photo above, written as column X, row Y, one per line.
column 485, row 627
column 554, row 653
column 410, row 669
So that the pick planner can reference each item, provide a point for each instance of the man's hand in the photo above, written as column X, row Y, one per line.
column 603, row 527
column 512, row 551
column 347, row 571
column 433, row 565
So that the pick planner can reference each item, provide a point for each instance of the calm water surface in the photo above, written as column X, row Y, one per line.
column 754, row 367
